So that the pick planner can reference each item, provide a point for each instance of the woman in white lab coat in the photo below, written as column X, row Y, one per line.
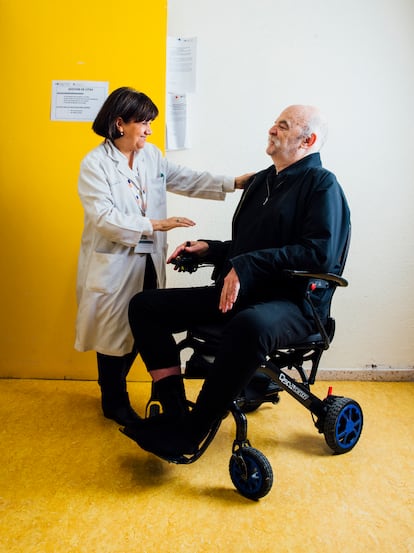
column 122, row 187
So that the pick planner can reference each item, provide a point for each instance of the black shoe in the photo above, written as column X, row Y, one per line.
column 170, row 393
column 124, row 415
column 116, row 406
column 166, row 437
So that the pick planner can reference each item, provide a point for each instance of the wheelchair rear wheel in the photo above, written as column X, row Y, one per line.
column 343, row 424
column 251, row 472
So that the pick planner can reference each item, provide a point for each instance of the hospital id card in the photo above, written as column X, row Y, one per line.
column 145, row 245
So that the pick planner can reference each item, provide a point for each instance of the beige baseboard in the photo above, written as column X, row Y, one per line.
column 369, row 374
column 374, row 374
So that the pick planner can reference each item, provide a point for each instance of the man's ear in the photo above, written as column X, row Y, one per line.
column 310, row 140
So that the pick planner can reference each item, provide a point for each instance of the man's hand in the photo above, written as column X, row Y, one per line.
column 229, row 292
column 197, row 247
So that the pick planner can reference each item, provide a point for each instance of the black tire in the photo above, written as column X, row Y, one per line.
column 343, row 424
column 251, row 472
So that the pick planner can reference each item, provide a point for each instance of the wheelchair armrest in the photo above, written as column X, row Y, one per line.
column 322, row 280
column 329, row 277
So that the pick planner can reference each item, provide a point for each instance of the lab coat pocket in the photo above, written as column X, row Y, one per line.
column 105, row 272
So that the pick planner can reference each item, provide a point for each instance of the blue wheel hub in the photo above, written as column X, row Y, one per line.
column 348, row 426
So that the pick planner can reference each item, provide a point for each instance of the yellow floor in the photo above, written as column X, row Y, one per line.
column 71, row 482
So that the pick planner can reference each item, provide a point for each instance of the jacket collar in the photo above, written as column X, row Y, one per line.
column 113, row 152
column 119, row 159
column 312, row 160
column 307, row 162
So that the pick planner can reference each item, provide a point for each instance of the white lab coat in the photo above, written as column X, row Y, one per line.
column 110, row 271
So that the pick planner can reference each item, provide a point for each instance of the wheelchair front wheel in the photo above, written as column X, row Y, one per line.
column 343, row 424
column 251, row 472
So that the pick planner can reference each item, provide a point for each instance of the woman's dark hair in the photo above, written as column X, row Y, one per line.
column 127, row 103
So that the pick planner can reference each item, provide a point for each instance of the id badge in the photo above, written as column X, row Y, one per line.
column 145, row 245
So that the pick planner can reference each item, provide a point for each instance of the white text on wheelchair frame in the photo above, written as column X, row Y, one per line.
column 293, row 387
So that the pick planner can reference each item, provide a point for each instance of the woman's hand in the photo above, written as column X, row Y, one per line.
column 170, row 223
column 240, row 181
column 198, row 247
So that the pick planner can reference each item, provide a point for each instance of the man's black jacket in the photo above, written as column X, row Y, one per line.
column 296, row 219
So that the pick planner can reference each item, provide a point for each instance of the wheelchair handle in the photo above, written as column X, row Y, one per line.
column 189, row 263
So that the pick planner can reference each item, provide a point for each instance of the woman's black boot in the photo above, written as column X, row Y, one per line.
column 112, row 373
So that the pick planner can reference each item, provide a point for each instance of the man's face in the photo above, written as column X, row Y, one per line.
column 286, row 135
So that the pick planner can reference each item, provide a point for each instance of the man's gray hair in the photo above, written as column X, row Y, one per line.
column 318, row 125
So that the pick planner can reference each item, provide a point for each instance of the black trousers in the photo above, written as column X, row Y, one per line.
column 250, row 331
column 111, row 367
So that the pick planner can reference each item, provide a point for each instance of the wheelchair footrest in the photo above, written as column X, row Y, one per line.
column 191, row 458
column 261, row 389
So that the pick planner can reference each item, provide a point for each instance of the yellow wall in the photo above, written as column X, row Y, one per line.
column 41, row 216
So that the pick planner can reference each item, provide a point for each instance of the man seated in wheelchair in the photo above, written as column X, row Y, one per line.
column 292, row 215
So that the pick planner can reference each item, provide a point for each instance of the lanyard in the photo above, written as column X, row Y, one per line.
column 140, row 194
column 146, row 244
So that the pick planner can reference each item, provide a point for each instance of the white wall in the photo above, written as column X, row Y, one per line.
column 355, row 61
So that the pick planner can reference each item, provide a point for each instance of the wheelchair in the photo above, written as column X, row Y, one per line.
column 338, row 418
